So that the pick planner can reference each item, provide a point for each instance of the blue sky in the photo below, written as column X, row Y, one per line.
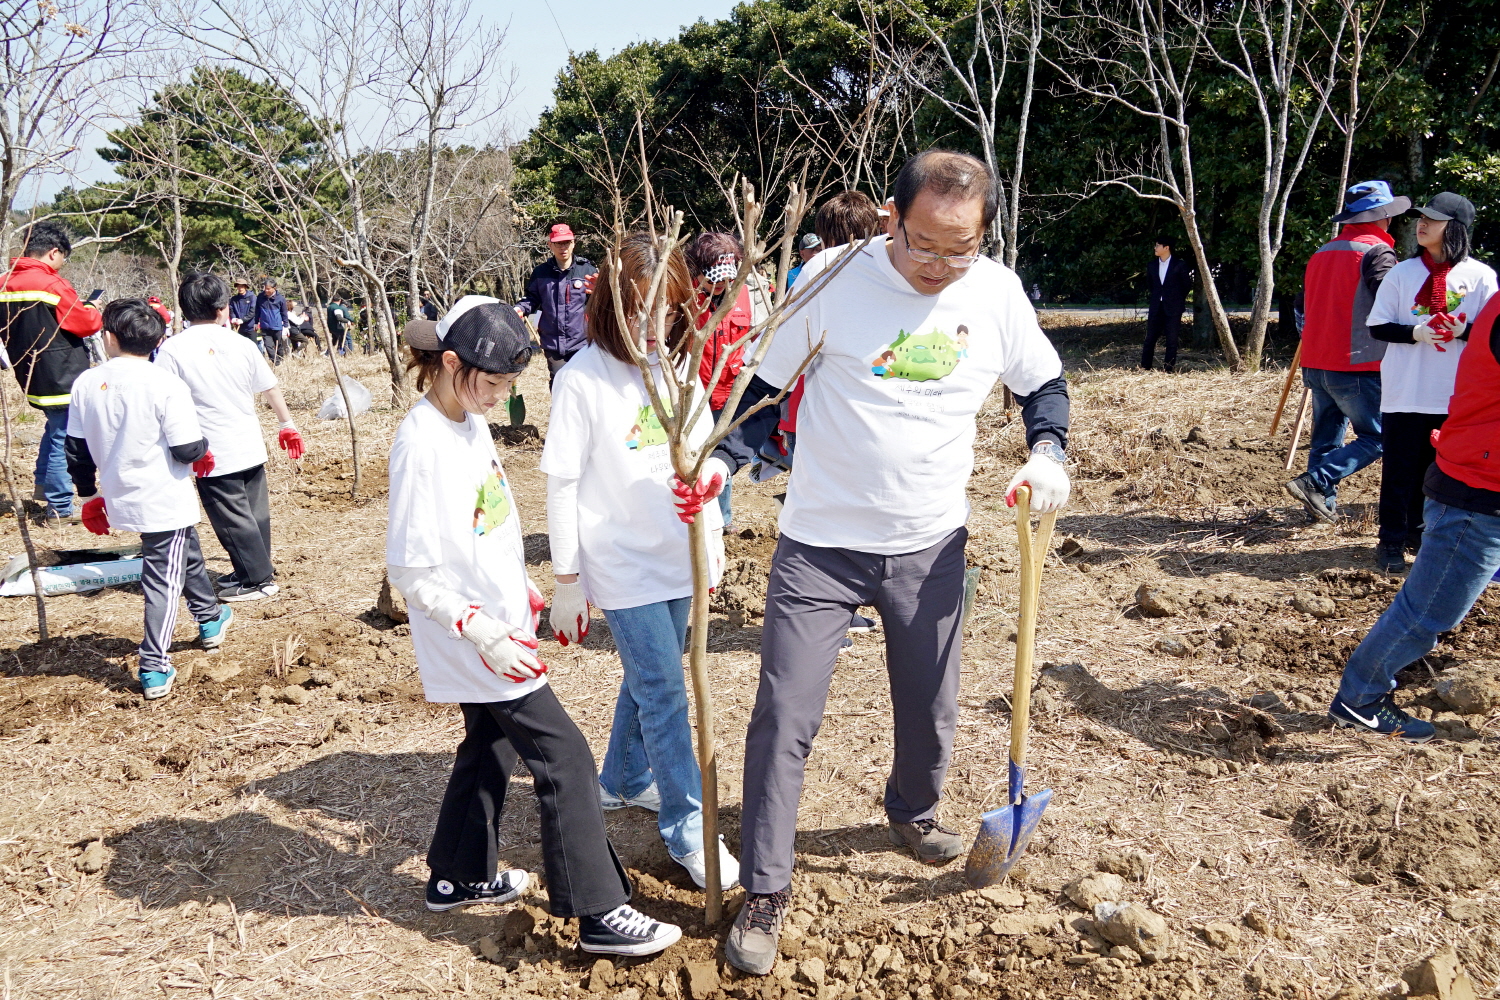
column 536, row 43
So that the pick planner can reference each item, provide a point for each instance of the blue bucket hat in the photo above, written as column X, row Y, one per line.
column 1369, row 201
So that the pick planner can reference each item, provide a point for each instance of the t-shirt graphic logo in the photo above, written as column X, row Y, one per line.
column 1456, row 294
column 647, row 431
column 921, row 357
column 492, row 505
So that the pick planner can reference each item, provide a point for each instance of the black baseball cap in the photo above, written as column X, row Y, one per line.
column 485, row 333
column 1449, row 206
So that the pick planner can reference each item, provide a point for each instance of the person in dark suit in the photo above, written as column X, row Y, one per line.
column 1170, row 280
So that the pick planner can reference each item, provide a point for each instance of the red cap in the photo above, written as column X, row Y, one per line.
column 560, row 233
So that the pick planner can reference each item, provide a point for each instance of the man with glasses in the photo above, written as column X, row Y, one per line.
column 916, row 328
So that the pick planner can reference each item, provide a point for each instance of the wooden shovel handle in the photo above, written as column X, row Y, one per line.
column 1034, row 550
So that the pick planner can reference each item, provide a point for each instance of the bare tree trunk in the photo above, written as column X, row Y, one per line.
column 708, row 760
column 1013, row 227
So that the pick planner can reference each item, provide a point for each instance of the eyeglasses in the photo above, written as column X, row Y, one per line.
column 956, row 261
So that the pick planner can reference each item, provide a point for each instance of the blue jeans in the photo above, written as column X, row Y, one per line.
column 1460, row 554
column 52, row 462
column 650, row 738
column 1340, row 399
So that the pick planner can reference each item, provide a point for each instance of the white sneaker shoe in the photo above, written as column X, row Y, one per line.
column 649, row 799
column 695, row 863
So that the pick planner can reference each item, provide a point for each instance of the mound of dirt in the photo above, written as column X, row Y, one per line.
column 747, row 572
column 1445, row 842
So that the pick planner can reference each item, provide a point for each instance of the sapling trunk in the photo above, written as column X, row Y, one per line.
column 708, row 760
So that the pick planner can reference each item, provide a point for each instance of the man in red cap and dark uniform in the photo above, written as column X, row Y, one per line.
column 1340, row 358
column 559, row 290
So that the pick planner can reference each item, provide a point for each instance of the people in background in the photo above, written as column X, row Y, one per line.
column 242, row 311
column 271, row 320
column 807, row 249
column 44, row 324
column 339, row 321
column 1340, row 359
column 713, row 260
column 559, row 290
column 1169, row 279
column 1423, row 311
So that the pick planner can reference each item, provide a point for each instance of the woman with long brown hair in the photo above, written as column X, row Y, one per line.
column 618, row 544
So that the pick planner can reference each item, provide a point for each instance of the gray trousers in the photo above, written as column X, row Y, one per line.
column 171, row 566
column 812, row 593
column 238, row 506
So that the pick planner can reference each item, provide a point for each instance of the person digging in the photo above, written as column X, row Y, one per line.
column 875, row 512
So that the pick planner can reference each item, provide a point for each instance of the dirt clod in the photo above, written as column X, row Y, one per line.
column 1134, row 926
column 391, row 604
column 294, row 694
column 1001, row 895
column 1439, row 976
column 1130, row 865
column 220, row 671
column 1471, row 689
column 92, row 859
column 1220, row 935
column 1171, row 645
column 702, row 979
column 1091, row 890
column 1156, row 601
column 601, row 976
column 1309, row 603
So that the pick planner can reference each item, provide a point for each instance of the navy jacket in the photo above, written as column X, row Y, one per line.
column 270, row 311
column 242, row 308
column 560, row 299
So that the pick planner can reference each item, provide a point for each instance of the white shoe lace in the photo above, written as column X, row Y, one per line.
column 628, row 922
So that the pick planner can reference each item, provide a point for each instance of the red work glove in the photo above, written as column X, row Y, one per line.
column 536, row 603
column 95, row 517
column 291, row 443
column 204, row 465
column 690, row 499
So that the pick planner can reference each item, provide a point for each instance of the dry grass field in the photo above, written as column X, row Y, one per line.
column 262, row 832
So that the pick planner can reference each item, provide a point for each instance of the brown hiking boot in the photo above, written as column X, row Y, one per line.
column 931, row 843
column 751, row 944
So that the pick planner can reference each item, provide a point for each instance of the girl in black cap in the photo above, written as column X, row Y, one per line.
column 1423, row 310
column 454, row 550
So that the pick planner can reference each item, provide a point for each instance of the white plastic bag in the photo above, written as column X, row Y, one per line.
column 72, row 579
column 359, row 398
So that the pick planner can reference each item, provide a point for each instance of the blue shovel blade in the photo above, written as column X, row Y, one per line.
column 1003, row 836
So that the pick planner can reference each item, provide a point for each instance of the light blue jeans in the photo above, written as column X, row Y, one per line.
column 1340, row 399
column 52, row 462
column 1460, row 554
column 650, row 738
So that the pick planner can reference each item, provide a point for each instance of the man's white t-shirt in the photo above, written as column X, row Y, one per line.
column 885, row 432
column 224, row 371
column 1418, row 378
column 131, row 413
column 603, row 432
column 451, row 507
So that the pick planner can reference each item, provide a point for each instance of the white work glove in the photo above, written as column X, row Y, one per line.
column 1048, row 480
column 1424, row 334
column 505, row 649
column 570, row 613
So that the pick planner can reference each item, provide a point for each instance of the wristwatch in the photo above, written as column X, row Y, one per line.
column 1051, row 450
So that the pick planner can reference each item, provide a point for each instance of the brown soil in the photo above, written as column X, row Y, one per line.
column 262, row 832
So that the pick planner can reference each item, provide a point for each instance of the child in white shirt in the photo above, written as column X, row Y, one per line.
column 224, row 372
column 454, row 550
column 138, row 421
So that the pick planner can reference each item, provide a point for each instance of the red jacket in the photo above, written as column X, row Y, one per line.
column 43, row 324
column 1469, row 447
column 1338, row 290
column 734, row 326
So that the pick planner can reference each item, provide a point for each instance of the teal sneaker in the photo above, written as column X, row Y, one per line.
column 157, row 683
column 211, row 633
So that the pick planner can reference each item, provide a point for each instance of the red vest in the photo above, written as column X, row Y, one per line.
column 1336, row 304
column 1469, row 447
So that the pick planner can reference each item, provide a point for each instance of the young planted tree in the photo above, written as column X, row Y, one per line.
column 680, row 401
column 1142, row 56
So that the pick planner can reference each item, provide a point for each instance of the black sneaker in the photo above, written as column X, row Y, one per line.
column 443, row 894
column 624, row 931
column 1383, row 718
column 931, row 843
column 245, row 592
column 1390, row 557
column 862, row 625
column 1317, row 504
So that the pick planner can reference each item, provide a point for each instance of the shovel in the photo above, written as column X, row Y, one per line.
column 515, row 406
column 1005, row 832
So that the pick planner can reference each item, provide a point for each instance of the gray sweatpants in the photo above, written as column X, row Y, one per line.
column 812, row 593
column 172, row 566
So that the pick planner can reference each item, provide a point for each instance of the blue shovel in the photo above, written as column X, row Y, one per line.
column 1005, row 832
